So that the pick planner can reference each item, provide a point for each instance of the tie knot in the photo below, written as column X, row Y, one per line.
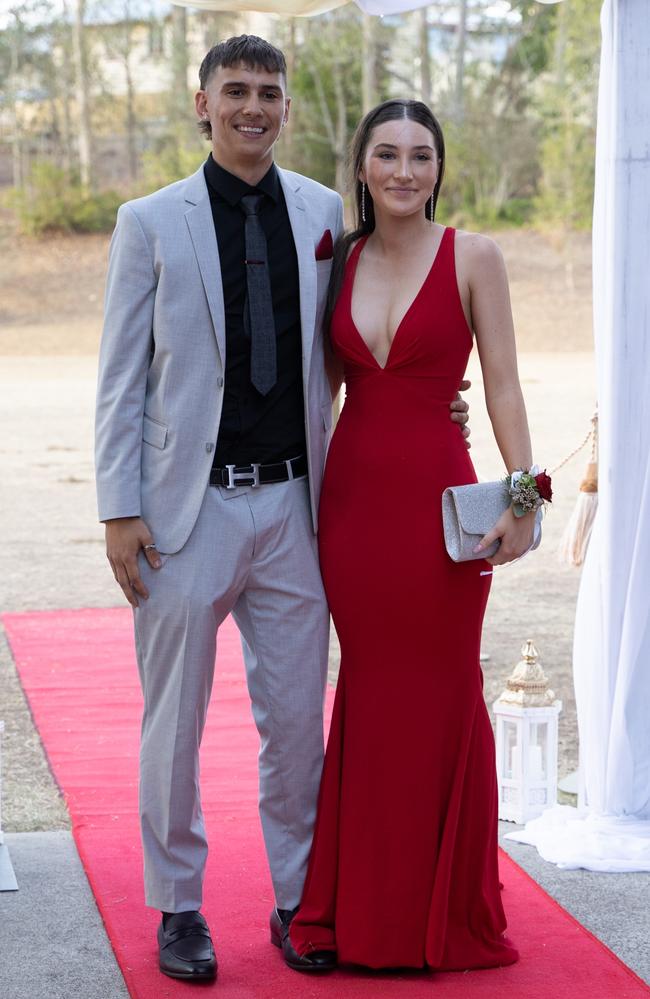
column 251, row 203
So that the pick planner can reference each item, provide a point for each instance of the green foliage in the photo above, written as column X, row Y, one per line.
column 169, row 161
column 53, row 200
column 531, row 51
column 524, row 151
column 319, row 58
column 567, row 184
column 326, row 88
column 491, row 170
column 95, row 212
column 520, row 142
column 567, row 108
column 516, row 212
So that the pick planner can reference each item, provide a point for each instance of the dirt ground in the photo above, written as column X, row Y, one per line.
column 52, row 546
column 51, row 291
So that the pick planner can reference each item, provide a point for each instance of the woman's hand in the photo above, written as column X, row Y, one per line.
column 516, row 534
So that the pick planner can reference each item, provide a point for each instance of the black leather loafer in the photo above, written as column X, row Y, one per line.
column 185, row 947
column 318, row 960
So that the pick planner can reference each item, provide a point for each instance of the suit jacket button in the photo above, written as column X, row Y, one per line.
column 209, row 447
column 220, row 382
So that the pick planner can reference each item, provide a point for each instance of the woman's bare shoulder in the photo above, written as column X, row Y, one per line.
column 474, row 249
column 474, row 246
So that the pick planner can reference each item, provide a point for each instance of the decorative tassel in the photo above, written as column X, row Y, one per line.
column 575, row 541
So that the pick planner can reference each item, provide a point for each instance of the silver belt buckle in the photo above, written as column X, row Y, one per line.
column 235, row 478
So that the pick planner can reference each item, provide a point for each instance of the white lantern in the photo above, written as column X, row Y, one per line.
column 527, row 737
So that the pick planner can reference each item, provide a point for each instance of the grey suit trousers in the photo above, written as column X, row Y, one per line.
column 252, row 552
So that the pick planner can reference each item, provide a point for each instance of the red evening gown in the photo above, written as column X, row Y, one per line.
column 403, row 868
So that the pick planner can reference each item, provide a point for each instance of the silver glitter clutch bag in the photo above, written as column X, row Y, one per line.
column 469, row 512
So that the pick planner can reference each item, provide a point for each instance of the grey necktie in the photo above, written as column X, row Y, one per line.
column 259, row 304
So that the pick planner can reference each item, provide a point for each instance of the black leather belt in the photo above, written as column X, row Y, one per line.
column 258, row 475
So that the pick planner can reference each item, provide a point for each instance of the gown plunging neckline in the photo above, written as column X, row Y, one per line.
column 358, row 250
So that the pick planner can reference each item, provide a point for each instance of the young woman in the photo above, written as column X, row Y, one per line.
column 403, row 869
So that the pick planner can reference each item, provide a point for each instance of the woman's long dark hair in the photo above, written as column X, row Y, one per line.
column 388, row 111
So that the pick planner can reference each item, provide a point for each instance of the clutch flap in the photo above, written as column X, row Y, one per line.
column 478, row 509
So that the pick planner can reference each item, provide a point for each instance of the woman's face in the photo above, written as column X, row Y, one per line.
column 400, row 167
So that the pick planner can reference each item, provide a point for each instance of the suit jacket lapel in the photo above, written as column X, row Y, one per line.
column 204, row 240
column 299, row 220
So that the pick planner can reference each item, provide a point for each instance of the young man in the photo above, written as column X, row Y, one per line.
column 213, row 418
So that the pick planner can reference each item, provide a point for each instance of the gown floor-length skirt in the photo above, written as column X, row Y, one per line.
column 403, row 869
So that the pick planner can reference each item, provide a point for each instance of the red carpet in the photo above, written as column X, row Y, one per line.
column 79, row 674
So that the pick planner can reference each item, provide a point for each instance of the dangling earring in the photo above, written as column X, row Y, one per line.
column 363, row 201
column 433, row 206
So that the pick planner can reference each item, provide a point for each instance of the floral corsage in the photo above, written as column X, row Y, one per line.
column 529, row 489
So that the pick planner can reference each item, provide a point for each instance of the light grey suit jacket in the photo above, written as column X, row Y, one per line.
column 163, row 352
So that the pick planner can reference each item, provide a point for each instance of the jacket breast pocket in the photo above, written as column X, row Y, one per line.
column 154, row 433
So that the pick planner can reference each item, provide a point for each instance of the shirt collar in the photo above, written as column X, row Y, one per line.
column 232, row 189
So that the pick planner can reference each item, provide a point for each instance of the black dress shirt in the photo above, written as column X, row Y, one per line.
column 257, row 428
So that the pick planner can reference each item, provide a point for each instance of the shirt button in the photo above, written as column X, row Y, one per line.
column 209, row 447
column 220, row 382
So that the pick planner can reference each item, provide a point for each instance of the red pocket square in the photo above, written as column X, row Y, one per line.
column 325, row 249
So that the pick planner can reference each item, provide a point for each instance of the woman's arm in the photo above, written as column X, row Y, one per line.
column 491, row 316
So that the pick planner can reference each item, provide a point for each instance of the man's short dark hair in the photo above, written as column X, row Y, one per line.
column 252, row 51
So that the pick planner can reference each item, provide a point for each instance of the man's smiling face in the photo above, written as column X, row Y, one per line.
column 247, row 107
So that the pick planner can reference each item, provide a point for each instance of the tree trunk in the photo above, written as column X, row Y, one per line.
column 425, row 58
column 566, row 118
column 217, row 25
column 84, row 134
column 16, row 138
column 368, row 62
column 461, row 41
column 179, row 101
column 290, row 53
column 131, row 121
column 341, row 145
column 65, row 88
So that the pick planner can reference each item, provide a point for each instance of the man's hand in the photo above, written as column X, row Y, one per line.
column 125, row 537
column 460, row 410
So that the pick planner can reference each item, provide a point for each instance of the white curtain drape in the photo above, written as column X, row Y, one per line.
column 612, row 632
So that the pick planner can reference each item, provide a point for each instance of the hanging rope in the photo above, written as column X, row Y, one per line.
column 575, row 541
column 591, row 435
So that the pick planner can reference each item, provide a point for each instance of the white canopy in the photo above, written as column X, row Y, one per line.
column 289, row 8
column 302, row 8
column 307, row 8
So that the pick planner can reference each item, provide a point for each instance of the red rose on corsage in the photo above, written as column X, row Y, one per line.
column 544, row 486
